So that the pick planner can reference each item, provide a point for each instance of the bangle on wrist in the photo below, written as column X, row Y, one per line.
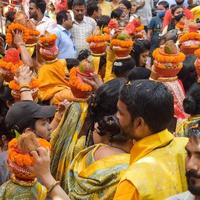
column 21, row 91
column 49, row 190
column 24, row 86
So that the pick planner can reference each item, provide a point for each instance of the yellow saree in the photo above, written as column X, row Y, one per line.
column 10, row 190
column 66, row 142
column 95, row 180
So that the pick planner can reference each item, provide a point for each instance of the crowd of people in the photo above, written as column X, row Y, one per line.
column 100, row 100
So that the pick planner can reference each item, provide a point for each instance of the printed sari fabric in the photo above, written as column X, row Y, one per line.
column 95, row 180
column 182, row 127
column 176, row 88
column 66, row 142
column 10, row 190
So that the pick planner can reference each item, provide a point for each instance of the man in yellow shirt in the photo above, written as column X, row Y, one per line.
column 157, row 163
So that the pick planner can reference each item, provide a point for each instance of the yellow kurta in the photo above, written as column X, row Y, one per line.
column 52, row 79
column 157, row 169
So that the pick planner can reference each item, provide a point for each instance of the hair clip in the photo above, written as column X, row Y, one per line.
column 128, row 83
column 118, row 64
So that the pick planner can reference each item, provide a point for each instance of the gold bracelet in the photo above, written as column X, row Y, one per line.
column 53, row 186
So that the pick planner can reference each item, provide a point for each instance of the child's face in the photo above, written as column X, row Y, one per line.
column 43, row 128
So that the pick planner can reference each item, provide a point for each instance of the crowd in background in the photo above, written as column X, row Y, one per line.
column 99, row 126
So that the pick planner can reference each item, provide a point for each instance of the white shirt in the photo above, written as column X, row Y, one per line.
column 80, row 31
column 46, row 24
column 145, row 12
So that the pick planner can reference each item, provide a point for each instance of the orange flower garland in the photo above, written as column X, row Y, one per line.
column 13, row 85
column 10, row 66
column 168, row 61
column 122, row 43
column 28, row 34
column 13, row 27
column 180, row 25
column 189, row 36
column 106, row 30
column 23, row 160
column 197, row 53
column 98, row 43
column 75, row 82
column 166, row 58
column 98, row 38
column 33, row 34
column 48, row 40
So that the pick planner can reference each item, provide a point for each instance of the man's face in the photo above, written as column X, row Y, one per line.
column 135, row 129
column 124, row 118
column 79, row 12
column 43, row 129
column 33, row 11
column 68, row 23
column 193, row 165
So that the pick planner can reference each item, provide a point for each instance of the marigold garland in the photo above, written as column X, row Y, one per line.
column 23, row 160
column 13, row 85
column 189, row 36
column 98, row 38
column 75, row 82
column 47, row 40
column 180, row 57
column 10, row 66
column 28, row 34
column 180, row 25
column 106, row 30
column 122, row 43
column 197, row 53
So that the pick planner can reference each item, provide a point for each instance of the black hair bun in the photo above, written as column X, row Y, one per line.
column 189, row 105
column 109, row 124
